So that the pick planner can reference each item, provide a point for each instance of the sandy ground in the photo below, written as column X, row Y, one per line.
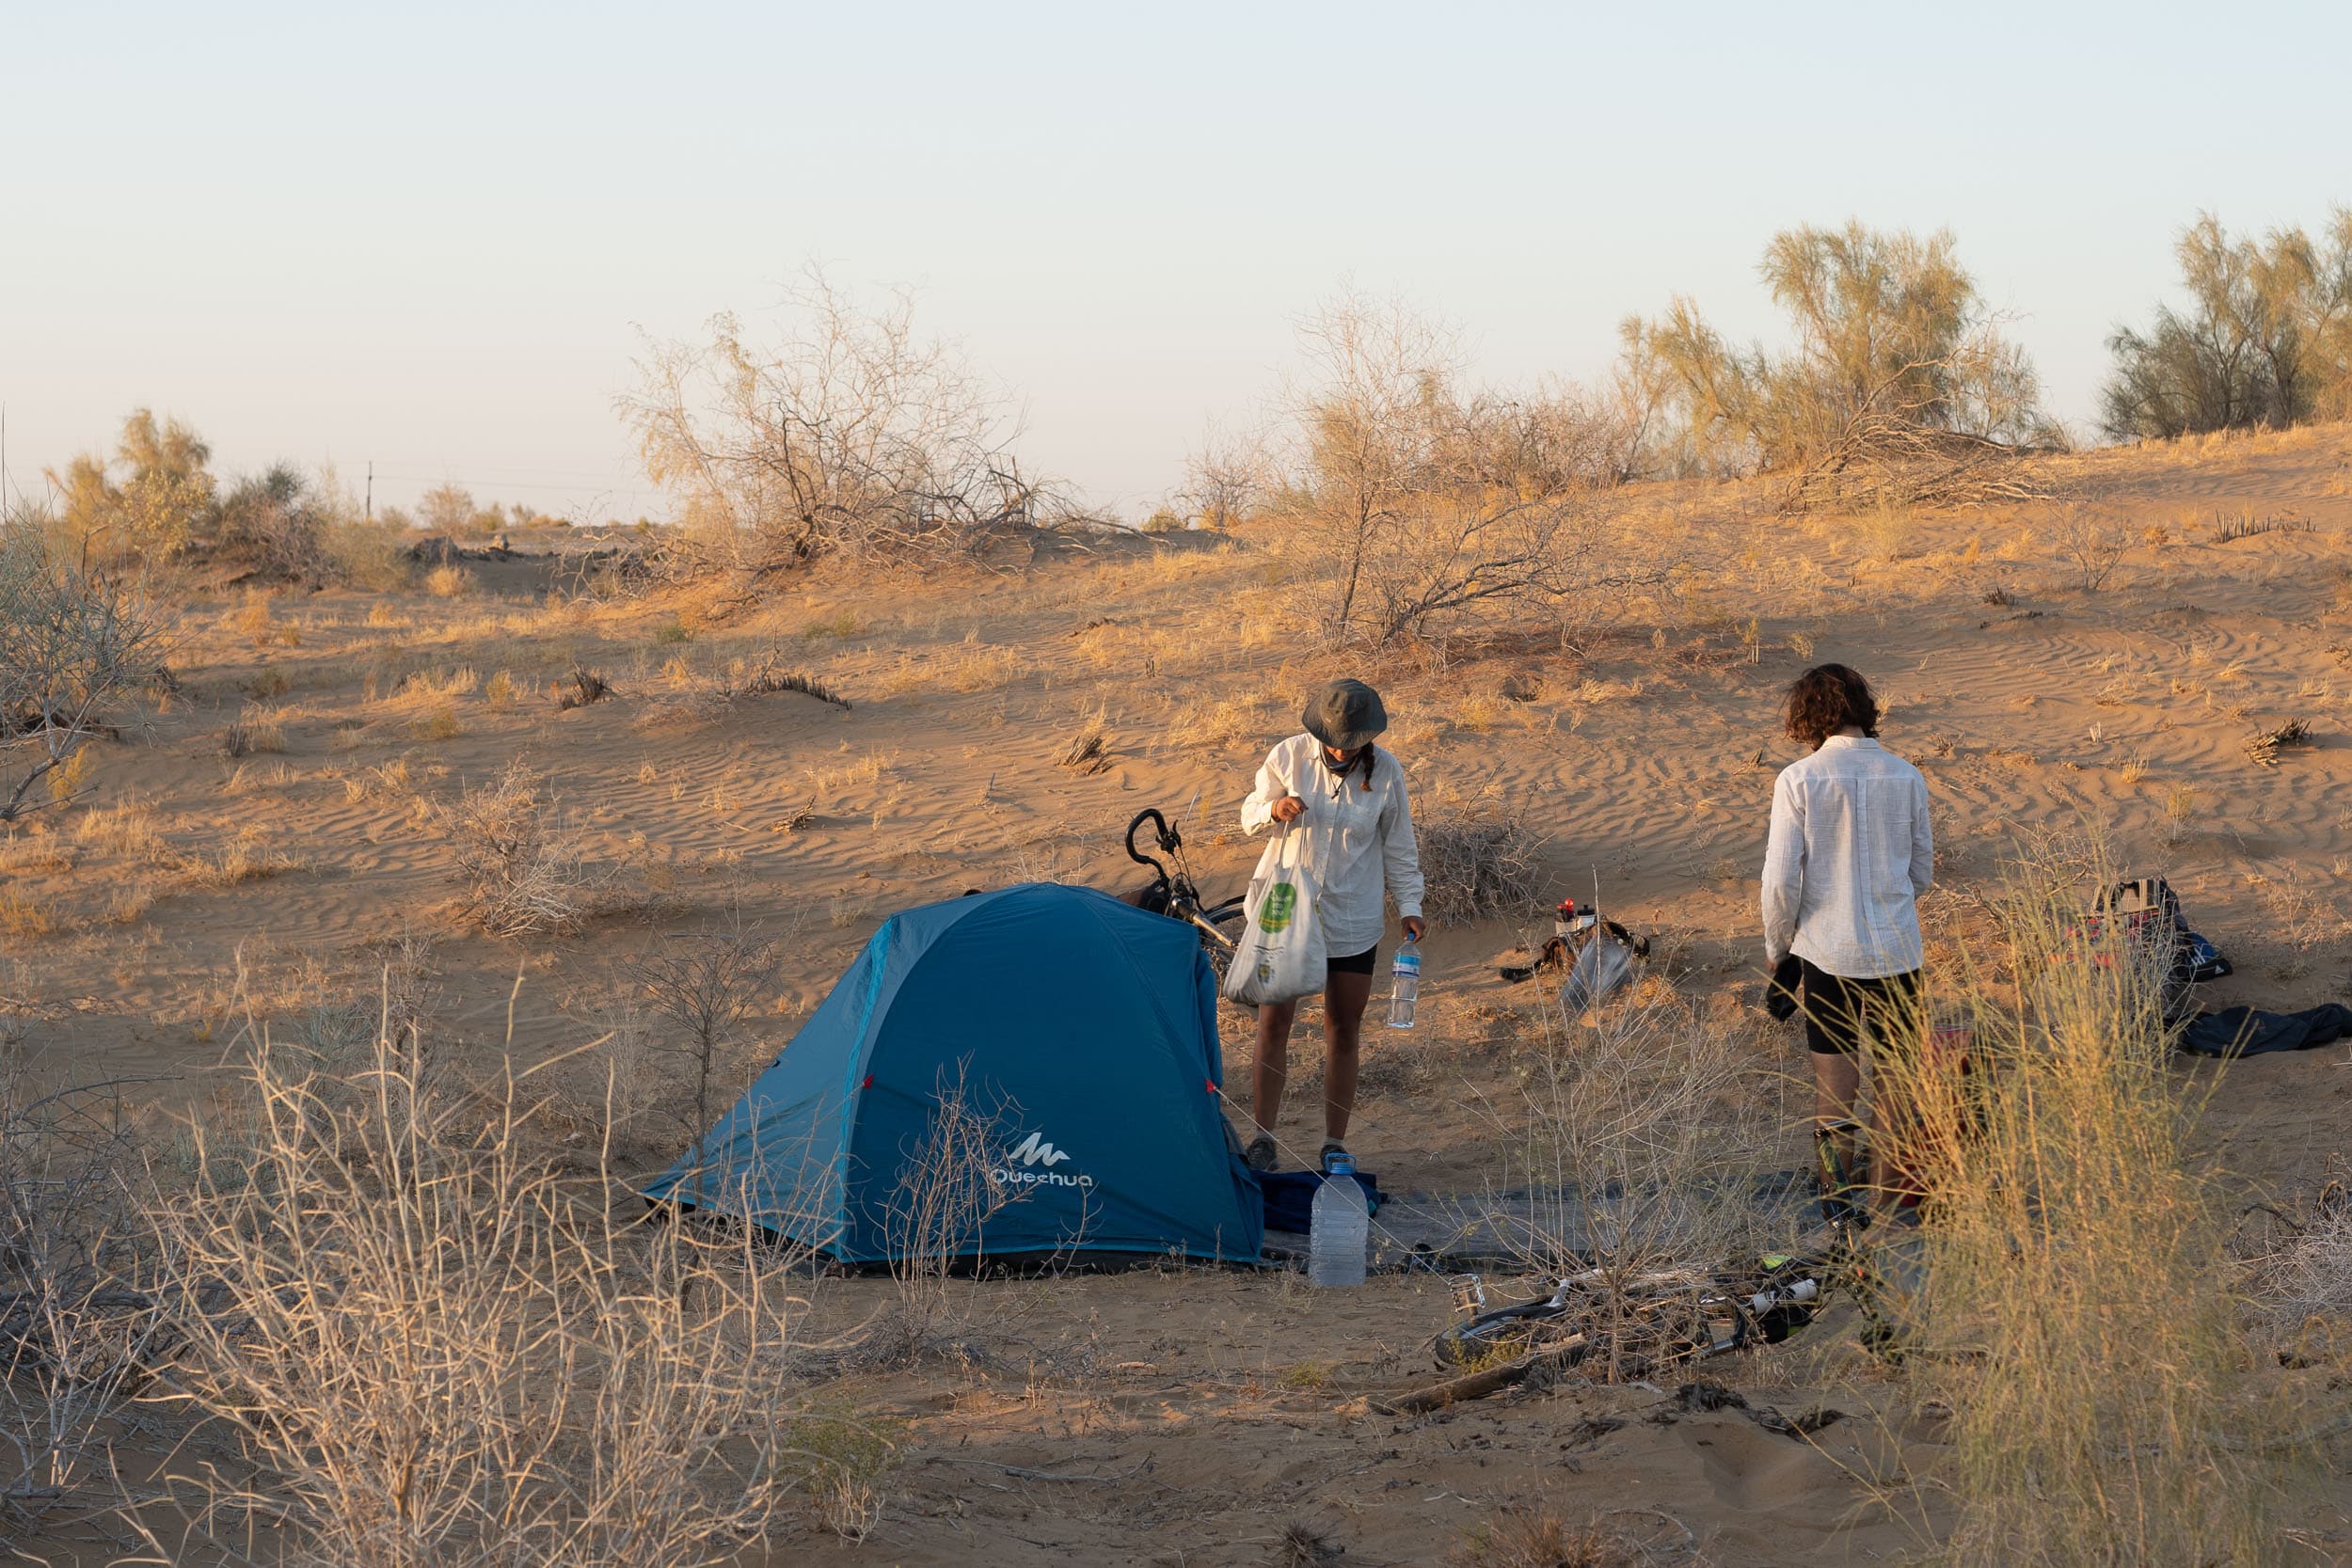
column 1191, row 1417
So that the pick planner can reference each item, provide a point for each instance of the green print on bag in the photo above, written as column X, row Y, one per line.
column 1281, row 902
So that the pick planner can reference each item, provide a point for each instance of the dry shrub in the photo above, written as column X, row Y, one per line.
column 2089, row 543
column 73, row 644
column 429, row 1349
column 704, row 985
column 74, row 1339
column 935, row 1218
column 524, row 871
column 1645, row 1134
column 2073, row 1300
column 1479, row 867
column 1420, row 502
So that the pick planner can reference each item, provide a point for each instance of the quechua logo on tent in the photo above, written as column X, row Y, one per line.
column 1022, row 1162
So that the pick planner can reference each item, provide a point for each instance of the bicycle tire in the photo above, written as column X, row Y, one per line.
column 1228, row 919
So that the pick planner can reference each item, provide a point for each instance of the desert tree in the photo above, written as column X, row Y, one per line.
column 1422, row 498
column 1899, row 378
column 1225, row 478
column 157, row 506
column 848, row 436
column 446, row 508
column 2266, row 340
column 275, row 523
column 75, row 640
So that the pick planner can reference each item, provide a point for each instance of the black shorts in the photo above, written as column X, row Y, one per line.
column 1356, row 963
column 1839, row 1013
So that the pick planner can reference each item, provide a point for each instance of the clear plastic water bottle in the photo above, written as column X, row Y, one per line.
column 1404, row 986
column 1340, row 1228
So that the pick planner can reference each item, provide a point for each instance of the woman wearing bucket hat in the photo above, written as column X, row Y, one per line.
column 1348, row 797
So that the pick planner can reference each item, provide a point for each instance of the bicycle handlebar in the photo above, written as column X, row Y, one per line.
column 1167, row 836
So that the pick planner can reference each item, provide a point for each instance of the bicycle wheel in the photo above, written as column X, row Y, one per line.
column 1228, row 919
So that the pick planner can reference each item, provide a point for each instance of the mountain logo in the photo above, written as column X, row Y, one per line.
column 1034, row 1150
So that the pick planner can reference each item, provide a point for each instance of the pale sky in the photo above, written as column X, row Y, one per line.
column 426, row 235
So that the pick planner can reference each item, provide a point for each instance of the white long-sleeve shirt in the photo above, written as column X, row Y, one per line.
column 1358, row 841
column 1849, row 856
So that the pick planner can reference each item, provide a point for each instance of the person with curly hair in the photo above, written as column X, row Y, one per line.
column 1849, row 856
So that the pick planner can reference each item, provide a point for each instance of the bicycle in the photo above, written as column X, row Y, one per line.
column 1178, row 896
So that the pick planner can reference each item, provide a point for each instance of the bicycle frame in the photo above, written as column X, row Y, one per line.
column 1177, row 895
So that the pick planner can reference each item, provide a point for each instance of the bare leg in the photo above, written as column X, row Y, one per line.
column 1344, row 1000
column 1836, row 1082
column 1271, row 1070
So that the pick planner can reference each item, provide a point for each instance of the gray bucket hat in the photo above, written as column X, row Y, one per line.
column 1345, row 714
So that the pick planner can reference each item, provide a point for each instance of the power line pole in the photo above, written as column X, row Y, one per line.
column 371, row 489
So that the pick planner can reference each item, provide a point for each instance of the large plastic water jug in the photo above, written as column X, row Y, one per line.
column 1340, row 1228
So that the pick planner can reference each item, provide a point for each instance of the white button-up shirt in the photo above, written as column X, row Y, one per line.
column 1360, row 842
column 1849, row 854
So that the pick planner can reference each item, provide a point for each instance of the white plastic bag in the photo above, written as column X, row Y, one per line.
column 1605, row 962
column 1280, row 955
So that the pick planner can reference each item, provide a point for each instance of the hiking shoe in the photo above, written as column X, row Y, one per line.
column 1260, row 1154
column 1331, row 1147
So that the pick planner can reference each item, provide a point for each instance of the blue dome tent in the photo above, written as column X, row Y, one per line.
column 1084, row 1029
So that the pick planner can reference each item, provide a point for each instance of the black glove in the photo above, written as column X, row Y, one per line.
column 1780, row 991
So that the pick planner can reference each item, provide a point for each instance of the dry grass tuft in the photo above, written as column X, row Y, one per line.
column 449, row 582
column 758, row 677
column 586, row 687
column 1088, row 753
column 1300, row 1545
column 1479, row 868
column 25, row 916
column 1539, row 1538
column 2071, row 1297
column 438, row 722
column 2245, row 525
column 126, row 828
column 252, row 732
column 2264, row 746
column 246, row 857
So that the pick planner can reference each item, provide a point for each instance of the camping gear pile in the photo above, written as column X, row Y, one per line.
column 1594, row 955
column 2156, row 933
column 2146, row 914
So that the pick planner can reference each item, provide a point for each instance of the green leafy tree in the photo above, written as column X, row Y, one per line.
column 1893, row 341
column 159, row 505
column 2266, row 340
